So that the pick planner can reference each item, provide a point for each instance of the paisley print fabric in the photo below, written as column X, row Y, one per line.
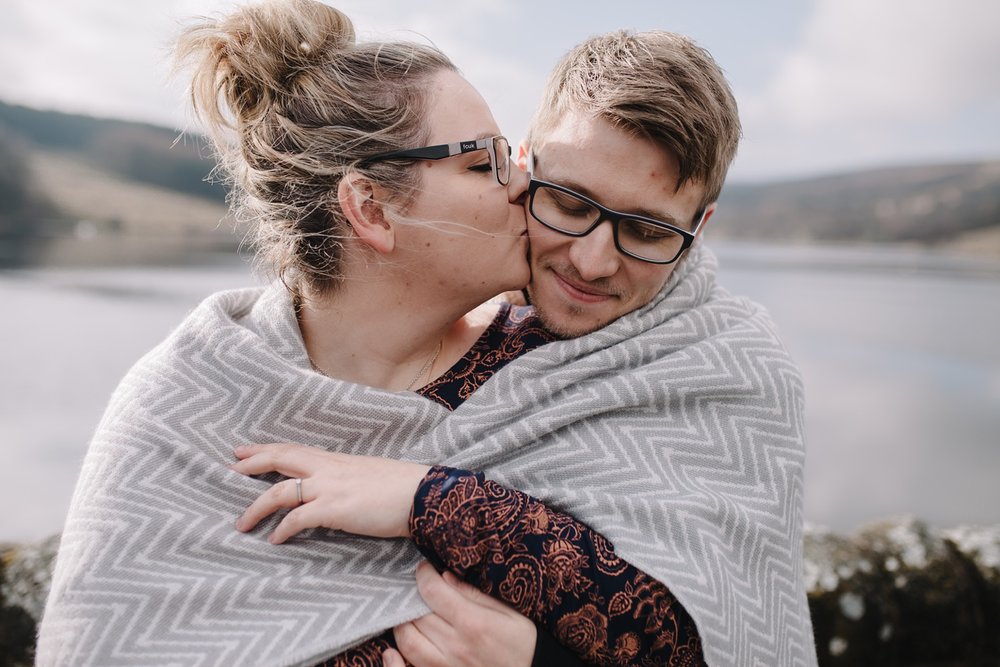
column 549, row 567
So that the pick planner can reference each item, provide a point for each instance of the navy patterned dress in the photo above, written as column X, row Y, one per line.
column 589, row 606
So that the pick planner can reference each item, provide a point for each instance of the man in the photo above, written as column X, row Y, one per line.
column 628, row 154
column 653, row 140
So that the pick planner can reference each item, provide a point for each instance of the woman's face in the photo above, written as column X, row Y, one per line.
column 469, row 234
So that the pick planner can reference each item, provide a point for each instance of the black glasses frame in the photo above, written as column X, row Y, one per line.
column 441, row 151
column 615, row 217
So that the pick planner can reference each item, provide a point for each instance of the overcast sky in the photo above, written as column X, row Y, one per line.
column 823, row 85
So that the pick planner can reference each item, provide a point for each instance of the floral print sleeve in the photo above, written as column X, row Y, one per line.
column 551, row 568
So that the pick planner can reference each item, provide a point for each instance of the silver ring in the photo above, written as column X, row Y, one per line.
column 298, row 490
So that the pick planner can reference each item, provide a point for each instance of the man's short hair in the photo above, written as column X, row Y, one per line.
column 656, row 85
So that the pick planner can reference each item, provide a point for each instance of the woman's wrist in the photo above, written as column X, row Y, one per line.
column 433, row 523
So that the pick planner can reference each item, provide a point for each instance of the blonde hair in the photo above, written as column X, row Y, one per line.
column 292, row 103
column 657, row 85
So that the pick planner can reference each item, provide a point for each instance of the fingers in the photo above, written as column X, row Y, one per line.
column 418, row 649
column 392, row 658
column 473, row 594
column 299, row 519
column 442, row 598
column 437, row 630
column 280, row 496
column 466, row 628
column 360, row 494
column 286, row 459
column 449, row 597
column 289, row 460
column 464, row 588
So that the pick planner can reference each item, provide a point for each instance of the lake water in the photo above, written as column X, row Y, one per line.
column 899, row 350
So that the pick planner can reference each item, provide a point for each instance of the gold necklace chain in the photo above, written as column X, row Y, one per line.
column 423, row 369
column 426, row 367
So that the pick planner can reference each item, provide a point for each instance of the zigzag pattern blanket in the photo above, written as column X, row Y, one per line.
column 676, row 432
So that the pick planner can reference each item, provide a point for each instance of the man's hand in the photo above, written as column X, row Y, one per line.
column 466, row 628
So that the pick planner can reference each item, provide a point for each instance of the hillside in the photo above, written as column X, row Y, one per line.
column 135, row 151
column 927, row 204
column 75, row 189
column 71, row 176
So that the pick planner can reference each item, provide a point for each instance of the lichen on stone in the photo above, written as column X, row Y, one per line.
column 980, row 544
column 852, row 606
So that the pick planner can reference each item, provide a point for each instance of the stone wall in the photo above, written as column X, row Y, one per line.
column 900, row 593
column 25, row 575
column 895, row 593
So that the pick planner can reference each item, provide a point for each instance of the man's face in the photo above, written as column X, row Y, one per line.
column 580, row 284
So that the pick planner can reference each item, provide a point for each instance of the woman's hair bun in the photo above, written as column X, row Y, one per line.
column 258, row 52
column 293, row 103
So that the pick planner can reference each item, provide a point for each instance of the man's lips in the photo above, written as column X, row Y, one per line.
column 580, row 292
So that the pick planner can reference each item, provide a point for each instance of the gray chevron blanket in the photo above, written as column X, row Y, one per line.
column 676, row 432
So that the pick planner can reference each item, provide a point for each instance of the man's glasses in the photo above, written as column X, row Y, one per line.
column 646, row 239
column 497, row 147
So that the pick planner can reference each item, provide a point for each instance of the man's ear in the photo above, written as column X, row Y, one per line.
column 365, row 213
column 522, row 156
column 708, row 214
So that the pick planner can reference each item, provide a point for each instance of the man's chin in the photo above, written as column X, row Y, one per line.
column 567, row 325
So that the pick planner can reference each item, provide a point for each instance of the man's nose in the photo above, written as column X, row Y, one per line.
column 517, row 186
column 595, row 255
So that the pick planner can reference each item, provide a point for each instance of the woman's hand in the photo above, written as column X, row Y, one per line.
column 467, row 628
column 363, row 495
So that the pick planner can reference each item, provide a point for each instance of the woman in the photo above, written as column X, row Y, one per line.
column 417, row 248
column 381, row 253
column 676, row 431
column 383, row 258
column 650, row 429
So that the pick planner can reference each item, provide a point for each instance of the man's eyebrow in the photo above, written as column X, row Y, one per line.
column 662, row 216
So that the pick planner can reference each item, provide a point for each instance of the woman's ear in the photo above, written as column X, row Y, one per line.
column 365, row 214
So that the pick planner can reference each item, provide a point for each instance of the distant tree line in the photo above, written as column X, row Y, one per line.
column 927, row 203
column 22, row 204
column 135, row 151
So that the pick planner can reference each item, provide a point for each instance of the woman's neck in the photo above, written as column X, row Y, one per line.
column 374, row 333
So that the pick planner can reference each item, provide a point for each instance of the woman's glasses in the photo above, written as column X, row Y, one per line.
column 498, row 148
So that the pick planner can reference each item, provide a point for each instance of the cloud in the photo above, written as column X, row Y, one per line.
column 100, row 58
column 883, row 60
column 95, row 57
column 856, row 83
column 871, row 80
column 475, row 35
